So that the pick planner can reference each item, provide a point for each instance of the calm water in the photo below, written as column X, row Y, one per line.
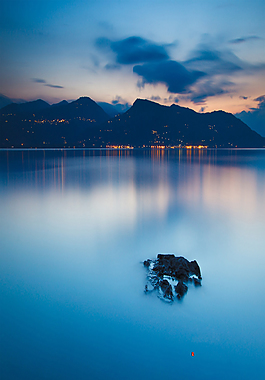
column 74, row 228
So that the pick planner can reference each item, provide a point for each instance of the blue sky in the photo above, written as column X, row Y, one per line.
column 201, row 54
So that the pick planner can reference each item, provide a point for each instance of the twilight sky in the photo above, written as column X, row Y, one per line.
column 201, row 54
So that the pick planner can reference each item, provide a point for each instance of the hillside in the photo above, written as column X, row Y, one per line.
column 83, row 123
column 148, row 124
column 37, row 124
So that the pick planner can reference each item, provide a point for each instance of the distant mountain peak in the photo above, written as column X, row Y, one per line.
column 144, row 101
column 31, row 107
column 146, row 104
column 62, row 103
column 84, row 100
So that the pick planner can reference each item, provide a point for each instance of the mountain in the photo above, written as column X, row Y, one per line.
column 83, row 123
column 254, row 118
column 37, row 124
column 4, row 101
column 114, row 109
column 63, row 102
column 84, row 109
column 149, row 124
column 28, row 107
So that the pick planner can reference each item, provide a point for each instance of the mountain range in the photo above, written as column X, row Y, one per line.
column 83, row 123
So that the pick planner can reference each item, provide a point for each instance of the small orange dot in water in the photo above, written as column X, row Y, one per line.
column 192, row 354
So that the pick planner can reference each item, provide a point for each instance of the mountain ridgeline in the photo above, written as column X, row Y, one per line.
column 83, row 123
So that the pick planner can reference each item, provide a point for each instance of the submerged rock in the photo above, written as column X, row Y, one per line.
column 167, row 270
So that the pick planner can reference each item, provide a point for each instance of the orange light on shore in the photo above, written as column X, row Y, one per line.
column 119, row 147
column 192, row 354
column 196, row 146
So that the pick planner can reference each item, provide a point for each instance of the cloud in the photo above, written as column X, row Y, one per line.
column 43, row 81
column 171, row 99
column 244, row 39
column 38, row 80
column 134, row 50
column 208, row 89
column 202, row 109
column 118, row 100
column 214, row 62
column 205, row 55
column 243, row 97
column 260, row 99
column 53, row 85
column 155, row 98
column 171, row 73
column 112, row 66
column 220, row 62
column 206, row 72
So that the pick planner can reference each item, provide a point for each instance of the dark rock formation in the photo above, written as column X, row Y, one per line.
column 181, row 289
column 168, row 269
column 147, row 263
column 166, row 289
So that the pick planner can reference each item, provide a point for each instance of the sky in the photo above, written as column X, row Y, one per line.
column 206, row 55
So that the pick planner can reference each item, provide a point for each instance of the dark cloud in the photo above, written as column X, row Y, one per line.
column 171, row 73
column 208, row 89
column 205, row 55
column 53, row 86
column 205, row 74
column 244, row 97
column 214, row 62
column 244, row 39
column 43, row 81
column 134, row 50
column 260, row 99
column 155, row 98
column 113, row 66
column 171, row 99
column 202, row 109
column 38, row 80
column 224, row 62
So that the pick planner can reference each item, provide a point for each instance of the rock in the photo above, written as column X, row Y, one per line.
column 171, row 268
column 181, row 289
column 194, row 267
column 166, row 289
column 147, row 263
column 196, row 281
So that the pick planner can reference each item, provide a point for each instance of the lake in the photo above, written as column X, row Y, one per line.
column 75, row 228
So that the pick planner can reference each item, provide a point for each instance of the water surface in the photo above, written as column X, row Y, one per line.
column 74, row 228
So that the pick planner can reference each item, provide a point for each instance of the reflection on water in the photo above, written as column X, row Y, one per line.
column 225, row 190
column 74, row 227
